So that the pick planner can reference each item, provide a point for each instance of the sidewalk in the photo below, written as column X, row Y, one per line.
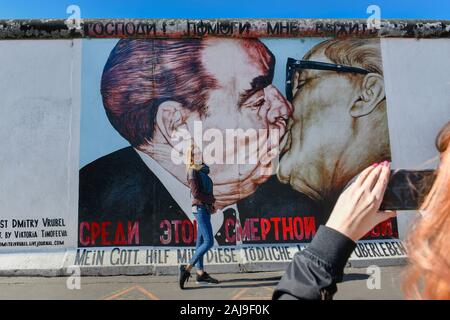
column 241, row 286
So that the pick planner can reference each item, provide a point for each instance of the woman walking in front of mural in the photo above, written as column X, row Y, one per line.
column 203, row 200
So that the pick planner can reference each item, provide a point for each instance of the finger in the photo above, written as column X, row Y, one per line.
column 385, row 215
column 372, row 178
column 363, row 175
column 382, row 182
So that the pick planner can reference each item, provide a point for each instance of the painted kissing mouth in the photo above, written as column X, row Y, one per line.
column 280, row 125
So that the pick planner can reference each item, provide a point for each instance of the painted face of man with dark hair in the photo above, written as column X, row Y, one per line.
column 243, row 98
column 339, row 124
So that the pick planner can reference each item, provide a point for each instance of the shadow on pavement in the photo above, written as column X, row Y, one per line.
column 252, row 279
column 249, row 285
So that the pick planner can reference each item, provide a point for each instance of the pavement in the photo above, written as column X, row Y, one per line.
column 384, row 283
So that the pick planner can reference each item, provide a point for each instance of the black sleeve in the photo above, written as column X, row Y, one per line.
column 314, row 272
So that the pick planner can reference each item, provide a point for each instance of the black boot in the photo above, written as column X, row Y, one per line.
column 183, row 276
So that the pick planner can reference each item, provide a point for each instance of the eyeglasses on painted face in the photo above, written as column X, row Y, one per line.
column 292, row 65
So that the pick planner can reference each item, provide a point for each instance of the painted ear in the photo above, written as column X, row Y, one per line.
column 371, row 94
column 170, row 118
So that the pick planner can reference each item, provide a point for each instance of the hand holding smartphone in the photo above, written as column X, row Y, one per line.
column 406, row 189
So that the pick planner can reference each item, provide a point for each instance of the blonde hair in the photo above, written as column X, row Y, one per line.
column 190, row 159
column 428, row 274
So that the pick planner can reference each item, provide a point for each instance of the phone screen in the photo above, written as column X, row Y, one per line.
column 407, row 189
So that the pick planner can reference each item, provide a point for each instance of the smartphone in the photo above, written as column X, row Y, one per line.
column 407, row 189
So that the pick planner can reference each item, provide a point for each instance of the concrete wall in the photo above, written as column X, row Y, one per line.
column 418, row 97
column 41, row 103
column 40, row 114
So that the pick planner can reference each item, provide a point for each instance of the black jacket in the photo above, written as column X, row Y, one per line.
column 314, row 272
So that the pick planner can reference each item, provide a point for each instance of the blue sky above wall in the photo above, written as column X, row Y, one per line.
column 390, row 9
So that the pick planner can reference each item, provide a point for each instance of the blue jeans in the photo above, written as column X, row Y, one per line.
column 205, row 238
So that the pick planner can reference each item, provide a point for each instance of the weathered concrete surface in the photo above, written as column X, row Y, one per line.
column 240, row 28
column 243, row 286
column 40, row 112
